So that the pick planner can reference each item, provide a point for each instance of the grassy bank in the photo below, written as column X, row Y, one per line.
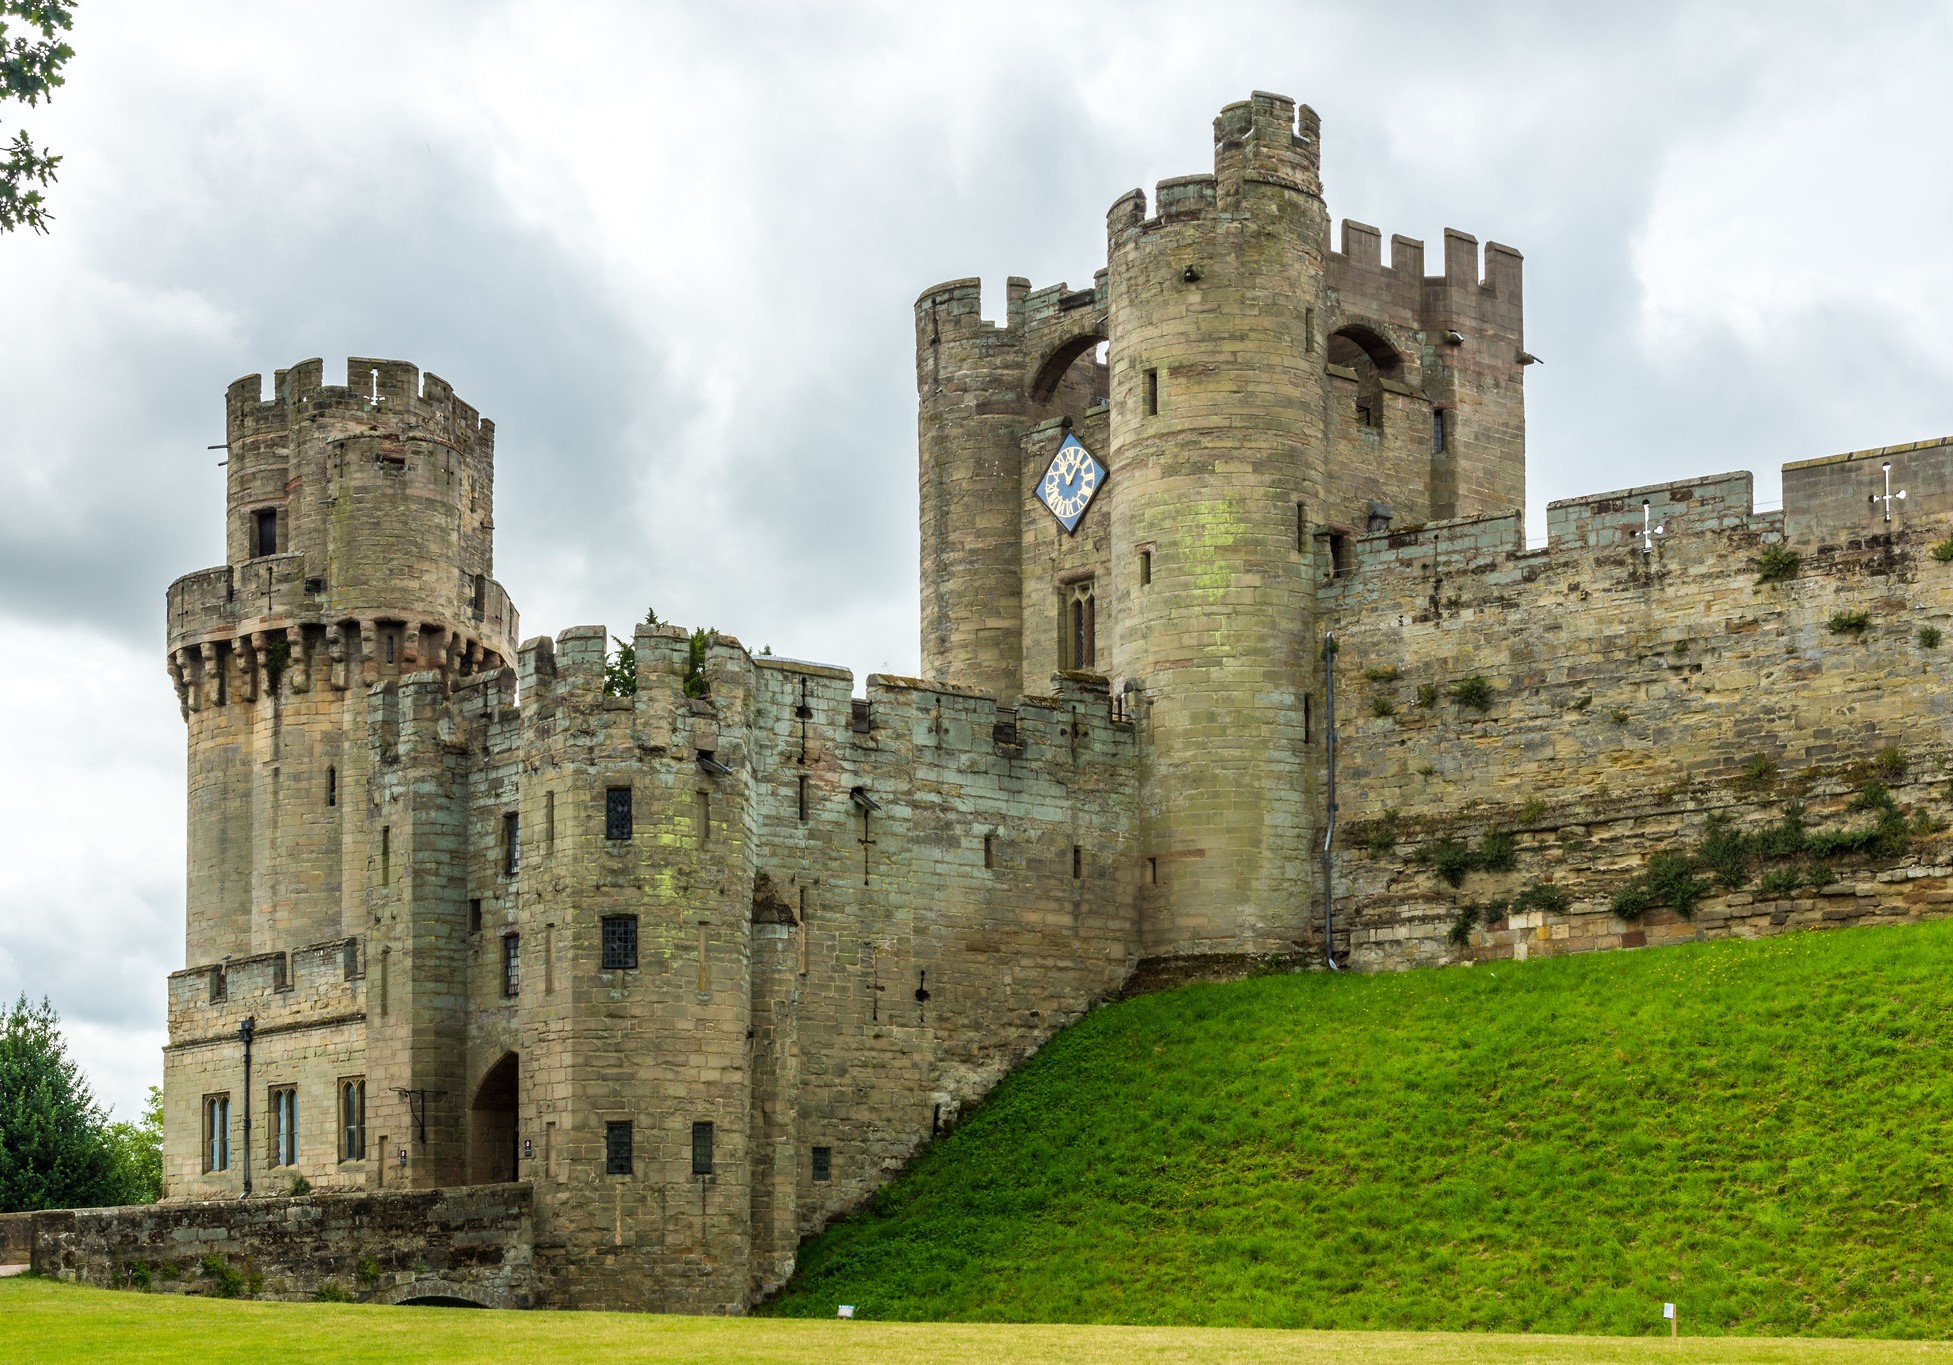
column 43, row 1322
column 1755, row 1130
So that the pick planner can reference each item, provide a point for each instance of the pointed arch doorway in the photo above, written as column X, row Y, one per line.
column 492, row 1147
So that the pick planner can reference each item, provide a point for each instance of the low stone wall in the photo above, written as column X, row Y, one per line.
column 470, row 1244
column 16, row 1238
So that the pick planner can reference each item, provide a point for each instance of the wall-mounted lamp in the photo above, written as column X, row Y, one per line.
column 528, row 1150
column 863, row 801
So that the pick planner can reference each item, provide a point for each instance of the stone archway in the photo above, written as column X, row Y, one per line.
column 492, row 1142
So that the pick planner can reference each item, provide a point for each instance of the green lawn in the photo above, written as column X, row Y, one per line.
column 1757, row 1131
column 41, row 1321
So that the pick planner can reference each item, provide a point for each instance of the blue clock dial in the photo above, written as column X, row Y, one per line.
column 1070, row 482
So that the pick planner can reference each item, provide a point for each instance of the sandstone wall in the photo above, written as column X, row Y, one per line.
column 469, row 1245
column 1631, row 697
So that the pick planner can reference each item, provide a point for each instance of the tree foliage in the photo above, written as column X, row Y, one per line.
column 30, row 68
column 57, row 1148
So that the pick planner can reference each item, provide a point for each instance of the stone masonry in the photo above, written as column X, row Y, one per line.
column 696, row 958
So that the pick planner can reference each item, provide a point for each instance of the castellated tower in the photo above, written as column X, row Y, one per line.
column 1256, row 401
column 359, row 544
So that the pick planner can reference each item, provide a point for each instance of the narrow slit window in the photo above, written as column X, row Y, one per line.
column 480, row 595
column 823, row 1164
column 474, row 914
column 702, row 1148
column 1153, row 871
column 549, row 822
column 511, row 843
column 1077, row 861
column 620, row 943
column 1145, row 567
column 264, row 532
column 386, row 855
column 1301, row 528
column 1308, row 722
column 989, row 850
column 1152, row 393
column 1365, row 415
column 1437, row 431
column 617, row 1149
column 617, row 813
column 511, row 965
column 803, row 797
column 332, row 785
column 1308, row 331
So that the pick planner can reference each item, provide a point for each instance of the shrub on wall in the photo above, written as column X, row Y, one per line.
column 1474, row 692
column 1776, row 563
column 1850, row 622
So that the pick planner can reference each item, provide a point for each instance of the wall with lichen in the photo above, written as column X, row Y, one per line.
column 1672, row 667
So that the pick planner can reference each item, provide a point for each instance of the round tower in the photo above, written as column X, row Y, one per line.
column 973, row 408
column 359, row 546
column 1216, row 454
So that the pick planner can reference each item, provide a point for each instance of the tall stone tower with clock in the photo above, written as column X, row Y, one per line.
column 1154, row 478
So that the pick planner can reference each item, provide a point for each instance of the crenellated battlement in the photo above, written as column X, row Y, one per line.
column 385, row 394
column 314, row 984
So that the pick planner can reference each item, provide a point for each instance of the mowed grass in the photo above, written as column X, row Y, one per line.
column 1757, row 1131
column 42, row 1322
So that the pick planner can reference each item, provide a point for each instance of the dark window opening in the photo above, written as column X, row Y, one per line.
column 823, row 1164
column 1152, row 393
column 620, row 943
column 1308, row 724
column 989, row 850
column 702, row 1148
column 474, row 914
column 1153, row 871
column 264, row 532
column 1077, row 860
column 617, row 1149
column 1339, row 554
column 617, row 813
column 861, row 717
column 803, row 798
column 1301, row 527
column 332, row 786
column 480, row 602
column 549, row 822
column 511, row 843
column 511, row 964
column 218, row 987
column 1437, row 431
column 352, row 958
column 390, row 644
column 1145, row 567
column 1365, row 415
column 386, row 855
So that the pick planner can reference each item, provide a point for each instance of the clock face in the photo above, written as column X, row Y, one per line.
column 1069, row 483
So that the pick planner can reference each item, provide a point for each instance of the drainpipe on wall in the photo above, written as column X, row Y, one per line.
column 1329, row 825
column 245, row 1031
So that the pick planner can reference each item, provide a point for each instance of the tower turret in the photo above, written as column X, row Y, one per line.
column 359, row 545
column 1217, row 391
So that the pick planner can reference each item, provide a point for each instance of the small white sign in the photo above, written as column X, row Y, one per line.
column 846, row 1310
column 1668, row 1310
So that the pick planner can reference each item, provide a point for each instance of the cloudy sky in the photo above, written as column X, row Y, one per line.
column 672, row 250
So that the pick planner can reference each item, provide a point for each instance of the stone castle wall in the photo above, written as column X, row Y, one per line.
column 468, row 1246
column 1632, row 697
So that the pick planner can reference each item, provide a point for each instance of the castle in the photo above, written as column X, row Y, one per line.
column 1228, row 621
